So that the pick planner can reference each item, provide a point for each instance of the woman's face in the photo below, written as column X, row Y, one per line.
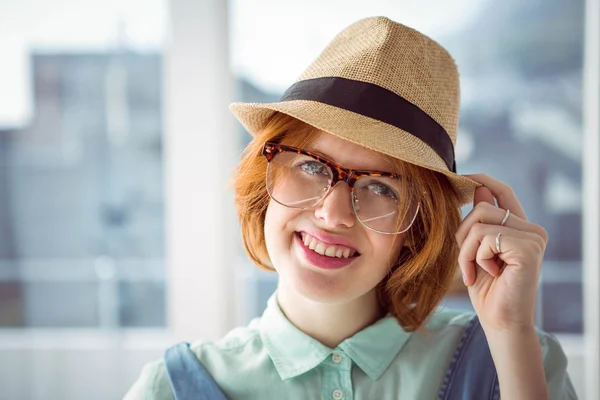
column 303, row 244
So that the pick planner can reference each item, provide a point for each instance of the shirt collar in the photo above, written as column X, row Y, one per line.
column 293, row 352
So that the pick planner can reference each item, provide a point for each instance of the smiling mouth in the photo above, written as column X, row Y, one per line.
column 326, row 249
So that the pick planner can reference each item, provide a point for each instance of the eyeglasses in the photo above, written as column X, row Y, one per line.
column 383, row 202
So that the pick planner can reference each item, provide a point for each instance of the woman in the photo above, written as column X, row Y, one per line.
column 349, row 192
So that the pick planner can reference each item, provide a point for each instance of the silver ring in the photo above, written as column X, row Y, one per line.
column 498, row 247
column 505, row 218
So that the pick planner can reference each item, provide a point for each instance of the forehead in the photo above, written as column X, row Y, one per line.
column 347, row 154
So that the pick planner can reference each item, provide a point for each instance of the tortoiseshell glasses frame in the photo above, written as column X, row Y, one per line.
column 339, row 173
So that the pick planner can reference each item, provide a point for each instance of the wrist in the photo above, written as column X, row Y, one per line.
column 518, row 359
column 509, row 340
column 509, row 329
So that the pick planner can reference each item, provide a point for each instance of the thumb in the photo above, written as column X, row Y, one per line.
column 483, row 194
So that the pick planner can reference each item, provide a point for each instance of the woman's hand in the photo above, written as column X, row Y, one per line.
column 504, row 297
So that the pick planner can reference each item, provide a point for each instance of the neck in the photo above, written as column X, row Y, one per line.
column 328, row 323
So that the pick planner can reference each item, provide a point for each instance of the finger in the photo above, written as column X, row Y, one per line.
column 502, row 192
column 486, row 265
column 479, row 248
column 485, row 195
column 487, row 256
column 477, row 254
column 482, row 195
column 488, row 214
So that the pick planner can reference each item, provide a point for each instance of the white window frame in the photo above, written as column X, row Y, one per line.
column 201, row 149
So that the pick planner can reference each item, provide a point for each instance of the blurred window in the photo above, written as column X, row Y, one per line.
column 81, row 165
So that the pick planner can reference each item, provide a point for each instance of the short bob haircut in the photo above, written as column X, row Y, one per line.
column 427, row 264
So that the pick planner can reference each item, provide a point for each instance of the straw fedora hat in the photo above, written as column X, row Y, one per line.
column 383, row 86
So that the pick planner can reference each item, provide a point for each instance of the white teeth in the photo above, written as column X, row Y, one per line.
column 324, row 248
column 330, row 251
column 305, row 239
column 320, row 248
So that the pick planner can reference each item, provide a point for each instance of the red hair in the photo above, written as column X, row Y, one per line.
column 427, row 263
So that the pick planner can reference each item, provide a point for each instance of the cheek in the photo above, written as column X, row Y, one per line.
column 387, row 248
column 271, row 228
column 278, row 231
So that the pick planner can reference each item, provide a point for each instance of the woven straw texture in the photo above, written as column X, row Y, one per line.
column 388, row 54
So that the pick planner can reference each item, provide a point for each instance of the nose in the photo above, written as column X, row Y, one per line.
column 335, row 209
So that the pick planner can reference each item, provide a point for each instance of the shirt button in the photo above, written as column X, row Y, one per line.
column 336, row 358
column 338, row 395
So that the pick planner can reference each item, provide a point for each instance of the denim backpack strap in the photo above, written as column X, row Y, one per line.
column 471, row 374
column 188, row 377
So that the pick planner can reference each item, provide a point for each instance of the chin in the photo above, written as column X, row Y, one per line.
column 318, row 287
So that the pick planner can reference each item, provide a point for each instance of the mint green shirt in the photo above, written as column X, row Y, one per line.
column 272, row 359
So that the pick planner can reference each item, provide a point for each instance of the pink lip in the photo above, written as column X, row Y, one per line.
column 330, row 239
column 320, row 261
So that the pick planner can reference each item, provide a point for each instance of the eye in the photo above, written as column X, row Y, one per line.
column 381, row 189
column 313, row 168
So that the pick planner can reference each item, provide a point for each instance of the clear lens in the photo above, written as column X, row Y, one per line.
column 297, row 181
column 384, row 204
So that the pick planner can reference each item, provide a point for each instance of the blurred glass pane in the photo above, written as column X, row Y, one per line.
column 81, row 170
column 142, row 304
column 61, row 304
column 521, row 82
column 561, row 296
column 562, row 305
column 11, row 304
